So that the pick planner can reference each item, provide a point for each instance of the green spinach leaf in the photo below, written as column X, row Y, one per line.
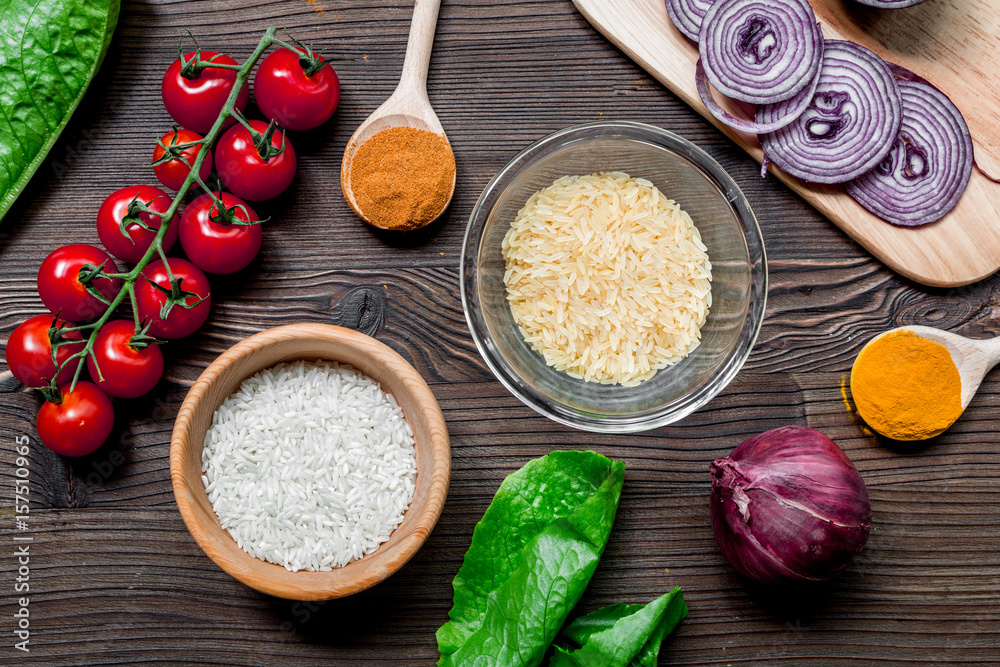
column 50, row 51
column 622, row 635
column 531, row 558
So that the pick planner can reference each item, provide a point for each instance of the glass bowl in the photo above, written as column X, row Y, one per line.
column 683, row 172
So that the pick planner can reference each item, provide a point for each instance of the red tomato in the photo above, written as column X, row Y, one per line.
column 78, row 425
column 115, row 207
column 219, row 246
column 29, row 354
column 195, row 103
column 180, row 321
column 60, row 287
column 125, row 372
column 242, row 169
column 174, row 172
column 287, row 95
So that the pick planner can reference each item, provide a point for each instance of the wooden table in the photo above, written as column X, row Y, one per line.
column 115, row 577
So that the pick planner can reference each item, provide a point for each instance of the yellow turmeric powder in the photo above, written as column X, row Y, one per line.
column 906, row 387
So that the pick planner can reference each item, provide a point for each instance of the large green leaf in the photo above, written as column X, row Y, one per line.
column 622, row 635
column 49, row 52
column 531, row 558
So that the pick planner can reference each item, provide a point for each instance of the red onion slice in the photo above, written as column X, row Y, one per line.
column 760, row 51
column 925, row 173
column 889, row 4
column 687, row 15
column 901, row 72
column 793, row 107
column 850, row 125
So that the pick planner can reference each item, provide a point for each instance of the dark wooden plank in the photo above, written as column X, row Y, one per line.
column 919, row 591
column 116, row 579
column 487, row 423
column 819, row 312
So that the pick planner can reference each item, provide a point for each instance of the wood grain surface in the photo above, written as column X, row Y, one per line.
column 954, row 42
column 117, row 579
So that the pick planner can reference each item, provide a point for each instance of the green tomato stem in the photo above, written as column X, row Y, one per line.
column 129, row 279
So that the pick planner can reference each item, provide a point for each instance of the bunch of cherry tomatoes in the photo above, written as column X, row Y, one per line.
column 295, row 88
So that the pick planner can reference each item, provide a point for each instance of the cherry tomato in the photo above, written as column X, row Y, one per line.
column 115, row 207
column 195, row 103
column 60, row 287
column 29, row 354
column 174, row 172
column 78, row 425
column 125, row 372
column 180, row 321
column 286, row 94
column 219, row 246
column 242, row 169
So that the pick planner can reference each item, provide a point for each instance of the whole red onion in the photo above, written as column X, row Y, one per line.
column 788, row 506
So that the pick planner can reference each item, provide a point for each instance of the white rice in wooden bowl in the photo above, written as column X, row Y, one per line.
column 309, row 465
column 607, row 278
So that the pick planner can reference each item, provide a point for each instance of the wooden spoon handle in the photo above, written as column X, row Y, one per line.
column 419, row 45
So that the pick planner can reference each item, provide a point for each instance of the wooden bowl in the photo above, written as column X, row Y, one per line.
column 310, row 342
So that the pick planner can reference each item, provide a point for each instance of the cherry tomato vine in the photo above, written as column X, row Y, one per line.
column 169, row 298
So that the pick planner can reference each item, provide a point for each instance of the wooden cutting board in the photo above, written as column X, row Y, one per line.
column 955, row 44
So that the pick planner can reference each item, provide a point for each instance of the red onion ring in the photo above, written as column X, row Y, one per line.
column 928, row 168
column 889, row 4
column 901, row 72
column 850, row 125
column 909, row 75
column 687, row 15
column 793, row 108
column 760, row 51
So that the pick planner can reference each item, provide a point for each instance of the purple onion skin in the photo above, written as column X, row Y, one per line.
column 788, row 506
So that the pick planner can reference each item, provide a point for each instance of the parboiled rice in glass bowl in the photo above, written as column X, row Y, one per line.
column 728, row 228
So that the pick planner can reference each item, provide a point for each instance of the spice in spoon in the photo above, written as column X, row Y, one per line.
column 402, row 178
column 906, row 387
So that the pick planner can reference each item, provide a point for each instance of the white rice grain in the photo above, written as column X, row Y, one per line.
column 309, row 465
column 607, row 278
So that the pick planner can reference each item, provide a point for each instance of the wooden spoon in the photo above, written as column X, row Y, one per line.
column 408, row 106
column 973, row 358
